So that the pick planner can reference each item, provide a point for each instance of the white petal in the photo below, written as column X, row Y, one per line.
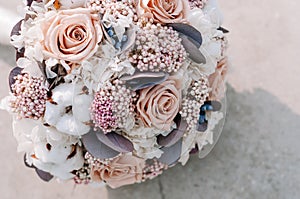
column 81, row 108
column 69, row 125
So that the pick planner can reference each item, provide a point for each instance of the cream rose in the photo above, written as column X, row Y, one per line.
column 164, row 11
column 157, row 106
column 123, row 170
column 72, row 35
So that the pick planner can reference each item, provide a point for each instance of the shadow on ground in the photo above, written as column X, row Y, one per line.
column 257, row 157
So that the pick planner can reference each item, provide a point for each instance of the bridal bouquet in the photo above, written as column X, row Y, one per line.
column 116, row 91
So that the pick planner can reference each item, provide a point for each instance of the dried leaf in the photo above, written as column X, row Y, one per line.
column 171, row 154
column 143, row 80
column 97, row 148
column 193, row 50
column 223, row 30
column 16, row 29
column 175, row 135
column 44, row 175
column 26, row 164
column 115, row 141
column 188, row 31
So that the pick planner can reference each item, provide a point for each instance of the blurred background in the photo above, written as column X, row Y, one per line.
column 258, row 154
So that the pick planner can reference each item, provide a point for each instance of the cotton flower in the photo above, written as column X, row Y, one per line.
column 48, row 149
column 68, row 110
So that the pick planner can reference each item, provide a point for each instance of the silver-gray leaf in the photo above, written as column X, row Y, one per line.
column 97, row 148
column 141, row 80
column 171, row 154
column 115, row 141
column 192, row 50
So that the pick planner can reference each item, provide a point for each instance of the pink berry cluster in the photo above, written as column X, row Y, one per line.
column 197, row 3
column 30, row 96
column 191, row 104
column 98, row 163
column 111, row 107
column 153, row 170
column 157, row 48
column 114, row 7
column 102, row 112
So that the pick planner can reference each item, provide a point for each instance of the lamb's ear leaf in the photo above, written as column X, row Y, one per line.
column 188, row 31
column 141, row 80
column 45, row 176
column 16, row 29
column 175, row 135
column 171, row 154
column 193, row 51
column 96, row 148
column 115, row 141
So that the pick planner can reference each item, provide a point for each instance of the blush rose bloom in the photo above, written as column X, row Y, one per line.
column 72, row 35
column 157, row 106
column 123, row 170
column 217, row 80
column 164, row 11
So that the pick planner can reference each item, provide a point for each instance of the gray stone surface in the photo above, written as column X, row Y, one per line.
column 257, row 156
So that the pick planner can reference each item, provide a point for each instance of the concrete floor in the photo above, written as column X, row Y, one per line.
column 258, row 154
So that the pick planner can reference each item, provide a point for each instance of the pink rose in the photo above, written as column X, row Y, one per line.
column 158, row 105
column 217, row 80
column 72, row 35
column 123, row 170
column 164, row 11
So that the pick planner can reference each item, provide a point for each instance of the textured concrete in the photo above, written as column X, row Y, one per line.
column 257, row 156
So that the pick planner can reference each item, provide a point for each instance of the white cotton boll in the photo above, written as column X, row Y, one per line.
column 81, row 107
column 63, row 94
column 22, row 130
column 67, row 4
column 69, row 125
column 56, row 161
column 55, row 137
column 53, row 113
column 73, row 163
column 57, row 153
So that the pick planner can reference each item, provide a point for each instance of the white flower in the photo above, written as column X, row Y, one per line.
column 69, row 109
column 144, row 142
column 5, row 103
column 212, row 45
column 199, row 138
column 48, row 149
column 66, row 4
column 30, row 36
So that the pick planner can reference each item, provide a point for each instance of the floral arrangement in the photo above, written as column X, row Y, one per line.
column 116, row 91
